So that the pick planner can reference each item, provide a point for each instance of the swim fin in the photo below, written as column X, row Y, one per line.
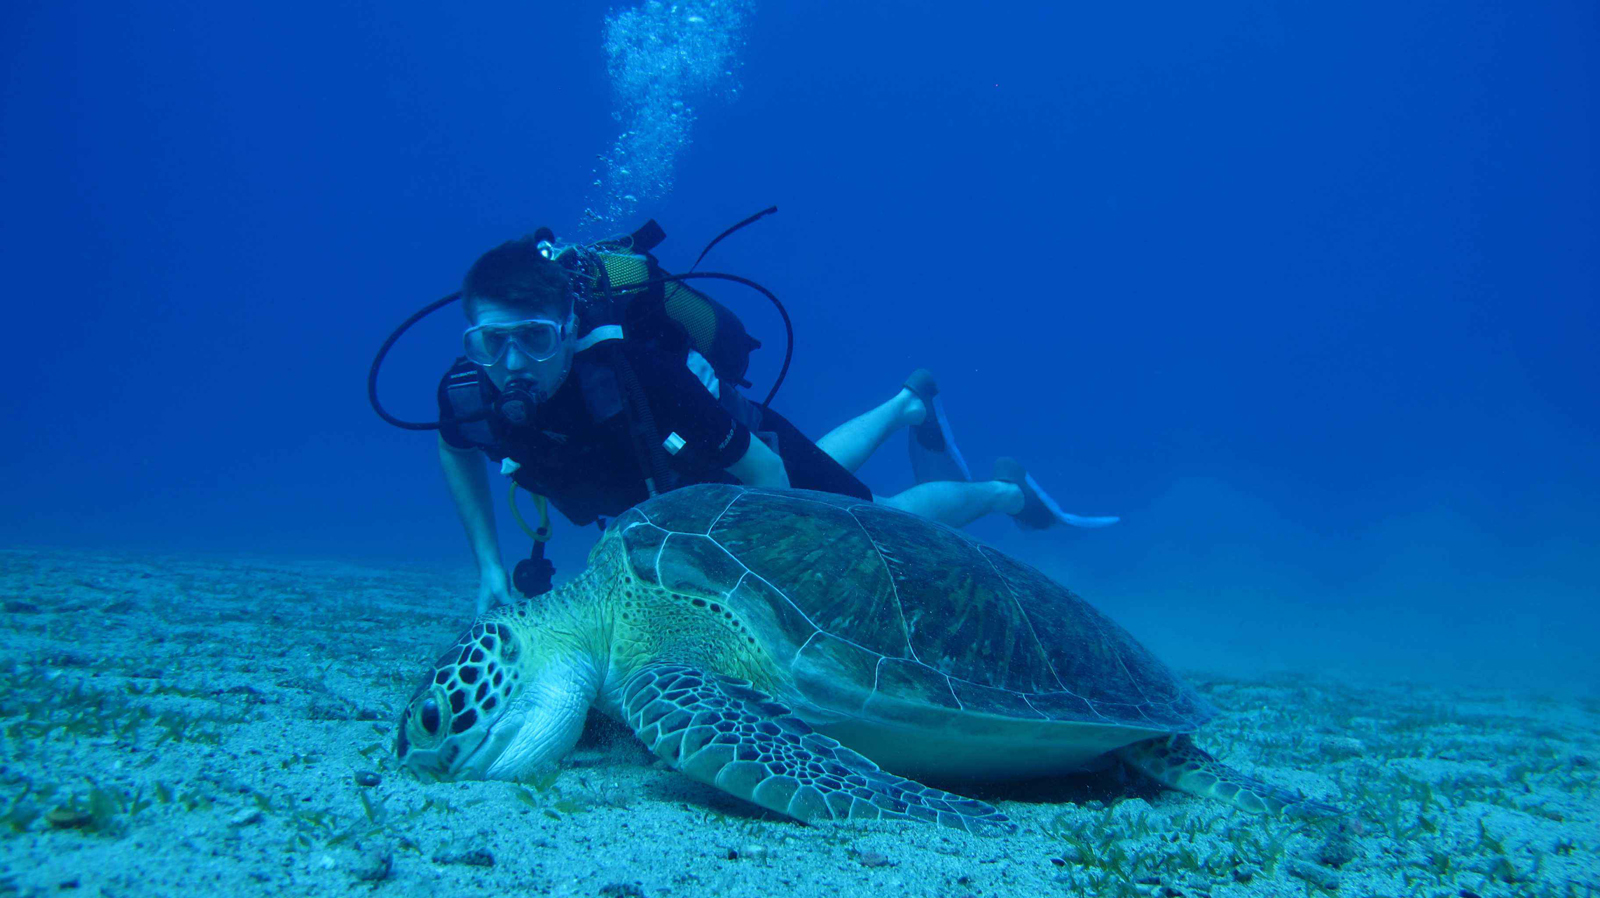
column 1039, row 511
column 934, row 455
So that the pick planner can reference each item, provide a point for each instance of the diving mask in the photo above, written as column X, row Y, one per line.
column 539, row 339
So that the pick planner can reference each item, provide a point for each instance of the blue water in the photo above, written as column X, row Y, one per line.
column 1308, row 295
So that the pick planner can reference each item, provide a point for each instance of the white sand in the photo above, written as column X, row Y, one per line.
column 194, row 726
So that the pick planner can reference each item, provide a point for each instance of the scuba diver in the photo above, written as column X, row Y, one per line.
column 595, row 381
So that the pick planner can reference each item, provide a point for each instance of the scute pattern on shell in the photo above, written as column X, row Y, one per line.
column 893, row 605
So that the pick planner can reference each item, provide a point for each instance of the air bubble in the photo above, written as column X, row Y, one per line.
column 663, row 59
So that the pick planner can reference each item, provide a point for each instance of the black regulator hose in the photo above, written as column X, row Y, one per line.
column 788, row 326
column 430, row 308
column 377, row 363
column 718, row 239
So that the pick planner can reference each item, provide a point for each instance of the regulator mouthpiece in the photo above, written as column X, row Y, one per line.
column 517, row 402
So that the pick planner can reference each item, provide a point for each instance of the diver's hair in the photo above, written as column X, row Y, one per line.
column 516, row 274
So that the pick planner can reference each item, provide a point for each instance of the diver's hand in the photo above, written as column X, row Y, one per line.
column 493, row 589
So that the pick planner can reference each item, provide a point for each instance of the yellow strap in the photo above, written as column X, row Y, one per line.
column 543, row 533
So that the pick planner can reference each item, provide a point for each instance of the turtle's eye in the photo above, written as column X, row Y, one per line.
column 430, row 716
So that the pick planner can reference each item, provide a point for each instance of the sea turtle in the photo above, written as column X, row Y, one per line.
column 781, row 645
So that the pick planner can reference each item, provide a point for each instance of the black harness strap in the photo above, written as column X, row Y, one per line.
column 636, row 406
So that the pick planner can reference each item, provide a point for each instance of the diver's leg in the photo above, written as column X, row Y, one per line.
column 955, row 503
column 853, row 442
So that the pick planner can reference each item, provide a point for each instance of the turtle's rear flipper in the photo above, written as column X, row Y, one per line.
column 1177, row 762
column 725, row 733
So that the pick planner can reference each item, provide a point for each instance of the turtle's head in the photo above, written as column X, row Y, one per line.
column 501, row 702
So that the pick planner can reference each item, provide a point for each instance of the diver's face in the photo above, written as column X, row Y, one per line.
column 543, row 377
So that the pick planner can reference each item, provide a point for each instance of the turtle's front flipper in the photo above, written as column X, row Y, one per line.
column 1177, row 762
column 725, row 733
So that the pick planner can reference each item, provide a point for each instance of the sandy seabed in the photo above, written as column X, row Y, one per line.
column 211, row 726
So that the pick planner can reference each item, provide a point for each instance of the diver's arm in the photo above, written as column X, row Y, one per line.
column 469, row 487
column 760, row 466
